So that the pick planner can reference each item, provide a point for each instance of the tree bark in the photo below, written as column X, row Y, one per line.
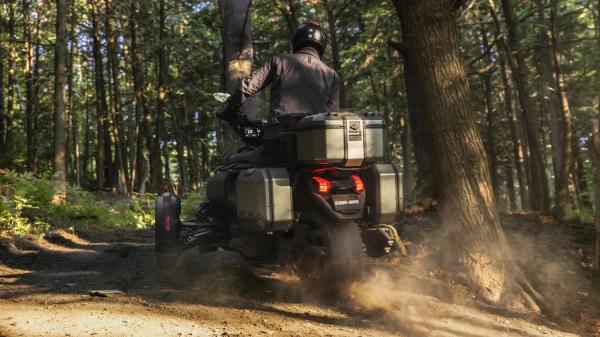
column 596, row 153
column 103, row 152
column 60, row 63
column 332, row 18
column 543, row 56
column 156, row 170
column 236, row 34
column 11, row 88
column 595, row 147
column 424, row 175
column 565, row 167
column 514, row 135
column 3, row 115
column 29, row 85
column 73, row 113
column 142, row 113
column 467, row 207
column 408, row 179
column 289, row 11
column 538, row 191
column 116, row 109
column 488, row 99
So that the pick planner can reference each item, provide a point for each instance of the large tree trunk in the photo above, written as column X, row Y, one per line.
column 466, row 203
column 565, row 167
column 424, row 178
column 538, row 191
column 467, row 208
column 60, row 63
column 236, row 34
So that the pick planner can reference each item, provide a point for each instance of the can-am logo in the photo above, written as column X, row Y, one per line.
column 347, row 202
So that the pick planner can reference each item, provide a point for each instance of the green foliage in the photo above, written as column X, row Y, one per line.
column 26, row 207
column 190, row 203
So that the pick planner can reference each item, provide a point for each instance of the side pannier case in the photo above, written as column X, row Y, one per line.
column 264, row 198
column 384, row 200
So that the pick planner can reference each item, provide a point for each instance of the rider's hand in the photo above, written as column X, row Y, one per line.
column 225, row 112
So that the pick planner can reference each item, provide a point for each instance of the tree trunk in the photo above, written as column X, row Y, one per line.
column 236, row 34
column 29, row 84
column 139, row 101
column 60, row 63
column 3, row 115
column 424, row 178
column 156, row 170
column 596, row 153
column 11, row 89
column 103, row 153
column 538, row 191
column 73, row 113
column 488, row 98
column 116, row 110
column 579, row 174
column 466, row 203
column 408, row 180
column 289, row 11
column 543, row 56
column 335, row 48
column 566, row 158
column 595, row 147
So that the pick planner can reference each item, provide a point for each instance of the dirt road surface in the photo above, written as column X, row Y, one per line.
column 46, row 290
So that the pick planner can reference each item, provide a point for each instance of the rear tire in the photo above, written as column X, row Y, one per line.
column 332, row 258
column 166, row 233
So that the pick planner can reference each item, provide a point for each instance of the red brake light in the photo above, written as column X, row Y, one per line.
column 359, row 186
column 323, row 185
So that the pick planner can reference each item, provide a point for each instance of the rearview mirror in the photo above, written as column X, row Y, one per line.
column 221, row 97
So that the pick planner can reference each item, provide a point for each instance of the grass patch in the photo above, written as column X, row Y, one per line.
column 26, row 207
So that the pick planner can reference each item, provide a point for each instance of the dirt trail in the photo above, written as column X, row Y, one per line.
column 45, row 291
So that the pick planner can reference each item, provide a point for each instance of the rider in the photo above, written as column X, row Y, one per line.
column 300, row 82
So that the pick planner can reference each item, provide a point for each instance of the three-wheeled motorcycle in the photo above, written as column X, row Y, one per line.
column 312, row 192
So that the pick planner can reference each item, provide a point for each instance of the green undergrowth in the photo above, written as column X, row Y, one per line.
column 26, row 207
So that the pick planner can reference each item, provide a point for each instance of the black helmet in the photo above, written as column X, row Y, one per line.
column 309, row 34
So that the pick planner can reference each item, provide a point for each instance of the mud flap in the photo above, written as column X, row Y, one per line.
column 166, row 228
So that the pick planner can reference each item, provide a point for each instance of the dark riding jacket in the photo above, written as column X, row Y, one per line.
column 300, row 83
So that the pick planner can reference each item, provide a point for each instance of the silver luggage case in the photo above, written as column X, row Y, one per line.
column 341, row 139
column 385, row 200
column 264, row 198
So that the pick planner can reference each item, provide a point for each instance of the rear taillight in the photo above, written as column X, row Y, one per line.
column 323, row 185
column 359, row 186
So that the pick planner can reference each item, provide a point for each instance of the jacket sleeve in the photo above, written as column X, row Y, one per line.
column 252, row 84
column 333, row 101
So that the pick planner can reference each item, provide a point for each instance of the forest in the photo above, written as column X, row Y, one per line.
column 492, row 108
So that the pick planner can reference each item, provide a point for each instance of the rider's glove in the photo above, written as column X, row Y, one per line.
column 227, row 112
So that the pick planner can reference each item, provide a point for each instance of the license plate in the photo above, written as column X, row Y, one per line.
column 346, row 202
